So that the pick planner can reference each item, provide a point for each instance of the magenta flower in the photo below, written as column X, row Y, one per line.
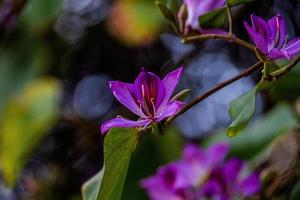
column 202, row 174
column 271, row 39
column 148, row 97
column 196, row 8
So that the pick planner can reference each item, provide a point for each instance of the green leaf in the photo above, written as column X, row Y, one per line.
column 257, row 137
column 213, row 19
column 168, row 14
column 91, row 187
column 237, row 2
column 241, row 111
column 25, row 122
column 119, row 144
column 295, row 193
column 182, row 95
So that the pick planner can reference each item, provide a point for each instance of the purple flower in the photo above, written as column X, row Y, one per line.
column 148, row 97
column 271, row 39
column 196, row 8
column 202, row 174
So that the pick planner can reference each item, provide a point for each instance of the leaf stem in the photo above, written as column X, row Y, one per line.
column 281, row 72
column 229, row 38
column 216, row 88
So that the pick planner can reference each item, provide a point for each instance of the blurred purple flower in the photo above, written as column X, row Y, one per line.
column 271, row 39
column 201, row 174
column 196, row 8
column 148, row 97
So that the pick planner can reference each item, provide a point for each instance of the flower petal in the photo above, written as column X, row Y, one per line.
column 170, row 82
column 217, row 153
column 275, row 54
column 258, row 39
column 121, row 122
column 149, row 87
column 214, row 31
column 124, row 94
column 277, row 25
column 232, row 169
column 251, row 185
column 293, row 47
column 170, row 109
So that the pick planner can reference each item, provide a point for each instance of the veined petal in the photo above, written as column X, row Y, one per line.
column 258, row 39
column 260, row 26
column 293, row 47
column 121, row 122
column 277, row 27
column 170, row 109
column 250, row 185
column 170, row 82
column 148, row 88
column 275, row 54
column 124, row 94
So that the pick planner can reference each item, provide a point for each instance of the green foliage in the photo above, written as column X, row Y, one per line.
column 25, row 119
column 295, row 193
column 91, row 187
column 237, row 2
column 241, row 111
column 119, row 144
column 257, row 137
column 168, row 14
column 214, row 19
column 38, row 15
column 182, row 95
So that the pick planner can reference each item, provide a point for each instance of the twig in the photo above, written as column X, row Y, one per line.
column 216, row 88
column 229, row 38
column 229, row 16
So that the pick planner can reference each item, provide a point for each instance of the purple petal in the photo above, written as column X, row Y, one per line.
column 148, row 88
column 232, row 169
column 293, row 47
column 258, row 39
column 192, row 152
column 217, row 153
column 124, row 94
column 170, row 82
column 121, row 122
column 251, row 185
column 196, row 8
column 277, row 27
column 275, row 54
column 170, row 109
column 212, row 188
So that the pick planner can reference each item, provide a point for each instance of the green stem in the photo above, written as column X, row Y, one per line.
column 229, row 16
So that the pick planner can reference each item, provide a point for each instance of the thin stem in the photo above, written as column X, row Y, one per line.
column 229, row 38
column 216, row 88
column 229, row 16
column 281, row 72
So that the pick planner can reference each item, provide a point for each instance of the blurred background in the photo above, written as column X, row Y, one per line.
column 56, row 57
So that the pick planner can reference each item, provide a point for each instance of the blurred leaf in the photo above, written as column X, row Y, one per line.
column 38, row 14
column 168, row 14
column 258, row 136
column 241, row 111
column 295, row 193
column 25, row 121
column 213, row 19
column 237, row 2
column 119, row 144
column 91, row 187
column 143, row 166
column 173, row 5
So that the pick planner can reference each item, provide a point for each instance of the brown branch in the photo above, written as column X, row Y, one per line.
column 216, row 88
column 229, row 38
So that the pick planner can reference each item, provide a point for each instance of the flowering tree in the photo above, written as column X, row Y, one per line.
column 199, row 174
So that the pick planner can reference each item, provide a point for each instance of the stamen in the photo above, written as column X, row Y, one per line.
column 143, row 90
column 277, row 33
column 153, row 106
column 285, row 41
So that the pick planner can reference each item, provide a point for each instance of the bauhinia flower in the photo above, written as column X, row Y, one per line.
column 149, row 97
column 196, row 8
column 202, row 174
column 270, row 37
